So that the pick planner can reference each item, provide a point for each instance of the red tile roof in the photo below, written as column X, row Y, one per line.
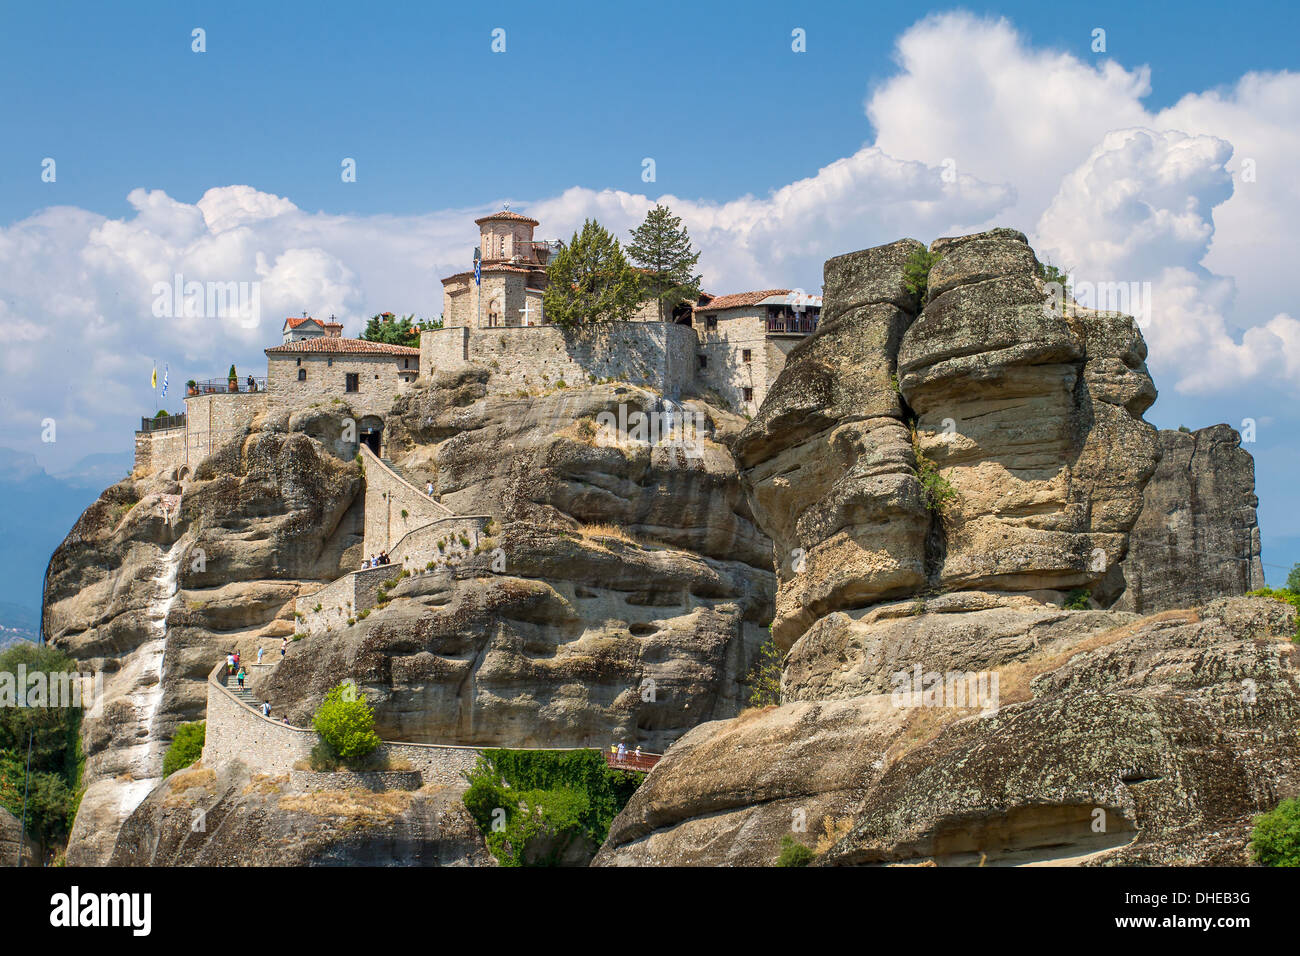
column 739, row 299
column 507, row 215
column 294, row 323
column 331, row 344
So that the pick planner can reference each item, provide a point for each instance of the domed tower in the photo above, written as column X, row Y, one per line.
column 507, row 237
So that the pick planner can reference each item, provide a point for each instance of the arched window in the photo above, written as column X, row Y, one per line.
column 302, row 375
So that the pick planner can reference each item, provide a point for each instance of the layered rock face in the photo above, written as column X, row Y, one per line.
column 1031, row 416
column 153, row 586
column 623, row 596
column 231, row 815
column 937, row 480
column 1153, row 743
column 1197, row 537
column 630, row 598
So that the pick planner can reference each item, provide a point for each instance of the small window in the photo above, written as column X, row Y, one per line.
column 703, row 360
column 749, row 394
column 329, row 362
column 746, row 355
column 302, row 375
column 710, row 321
column 353, row 381
column 299, row 361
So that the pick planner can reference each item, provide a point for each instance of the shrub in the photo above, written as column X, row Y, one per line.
column 764, row 677
column 916, row 272
column 793, row 853
column 1078, row 600
column 534, row 805
column 346, row 723
column 322, row 759
column 362, row 615
column 185, row 748
column 1286, row 596
column 464, row 541
column 405, row 513
column 1275, row 840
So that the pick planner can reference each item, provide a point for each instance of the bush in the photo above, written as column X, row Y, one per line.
column 186, row 747
column 1078, row 600
column 764, row 677
column 534, row 805
column 793, row 853
column 916, row 272
column 1275, row 841
column 346, row 723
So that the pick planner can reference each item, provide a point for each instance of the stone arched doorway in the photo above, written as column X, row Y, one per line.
column 370, row 430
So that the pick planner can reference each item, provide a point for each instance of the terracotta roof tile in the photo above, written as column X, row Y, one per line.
column 293, row 323
column 738, row 299
column 335, row 345
column 508, row 215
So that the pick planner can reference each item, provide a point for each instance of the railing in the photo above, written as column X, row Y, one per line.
column 158, row 424
column 800, row 324
column 220, row 385
column 630, row 761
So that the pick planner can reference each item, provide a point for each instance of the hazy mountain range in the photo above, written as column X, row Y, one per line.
column 38, row 511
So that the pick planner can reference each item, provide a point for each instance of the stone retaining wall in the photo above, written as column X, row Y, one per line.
column 342, row 599
column 376, row 780
column 393, row 507
column 659, row 355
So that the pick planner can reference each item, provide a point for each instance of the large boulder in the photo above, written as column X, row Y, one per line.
column 1153, row 742
column 11, row 835
column 1197, row 537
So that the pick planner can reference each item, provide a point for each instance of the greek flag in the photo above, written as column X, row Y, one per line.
column 478, row 271
column 166, row 369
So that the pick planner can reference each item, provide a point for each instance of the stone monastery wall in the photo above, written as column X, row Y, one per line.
column 659, row 355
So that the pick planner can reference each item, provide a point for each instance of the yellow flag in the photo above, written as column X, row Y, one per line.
column 155, row 376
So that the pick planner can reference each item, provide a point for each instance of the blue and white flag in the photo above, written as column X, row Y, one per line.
column 166, row 370
column 478, row 271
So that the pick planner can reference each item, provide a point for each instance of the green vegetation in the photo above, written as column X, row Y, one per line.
column 661, row 246
column 386, row 327
column 1287, row 595
column 764, row 677
column 533, row 806
column 589, row 281
column 1078, row 600
column 916, row 272
column 936, row 490
column 346, row 724
column 794, row 853
column 232, row 376
column 1184, row 429
column 1050, row 273
column 186, row 747
column 1275, row 840
column 53, row 731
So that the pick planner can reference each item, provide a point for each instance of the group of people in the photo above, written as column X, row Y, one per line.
column 376, row 560
column 619, row 752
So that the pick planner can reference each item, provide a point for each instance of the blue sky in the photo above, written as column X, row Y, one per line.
column 226, row 165
column 286, row 89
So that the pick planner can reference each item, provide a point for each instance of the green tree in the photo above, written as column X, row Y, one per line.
column 590, row 281
column 661, row 246
column 186, row 747
column 386, row 327
column 916, row 272
column 533, row 806
column 1275, row 840
column 1293, row 578
column 764, row 676
column 346, row 723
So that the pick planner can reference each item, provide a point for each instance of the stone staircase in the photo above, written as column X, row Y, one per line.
column 398, row 471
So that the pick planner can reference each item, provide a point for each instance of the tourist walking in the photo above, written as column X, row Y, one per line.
column 284, row 646
column 240, row 677
column 428, row 489
column 230, row 664
column 266, row 708
column 622, row 752
column 259, row 654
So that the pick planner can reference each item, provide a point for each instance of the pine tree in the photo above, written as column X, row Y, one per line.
column 386, row 327
column 662, row 246
column 590, row 281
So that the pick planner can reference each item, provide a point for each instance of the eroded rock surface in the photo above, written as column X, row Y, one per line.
column 233, row 816
column 1197, row 537
column 1178, row 727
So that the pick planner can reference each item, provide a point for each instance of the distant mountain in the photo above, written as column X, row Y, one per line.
column 37, row 510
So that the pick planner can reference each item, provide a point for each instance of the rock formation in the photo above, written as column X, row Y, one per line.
column 231, row 815
column 940, row 479
column 1196, row 538
column 10, row 832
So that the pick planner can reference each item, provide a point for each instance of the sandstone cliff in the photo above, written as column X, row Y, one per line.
column 941, row 473
column 1196, row 538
